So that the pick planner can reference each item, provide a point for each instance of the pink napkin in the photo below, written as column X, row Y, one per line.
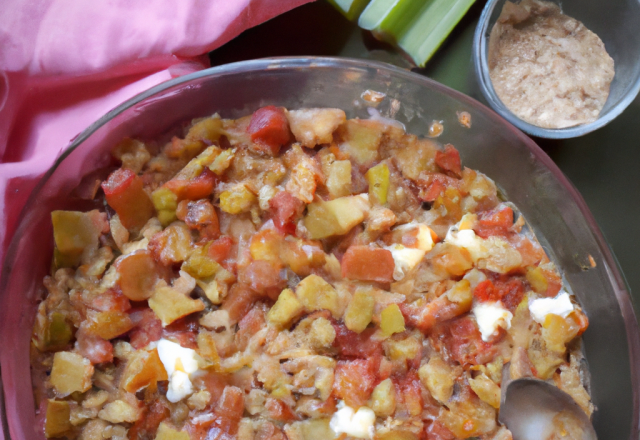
column 65, row 63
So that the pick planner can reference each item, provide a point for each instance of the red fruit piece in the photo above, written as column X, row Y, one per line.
column 286, row 210
column 449, row 160
column 269, row 129
column 125, row 194
column 364, row 263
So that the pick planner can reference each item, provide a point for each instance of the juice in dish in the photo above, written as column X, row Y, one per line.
column 294, row 274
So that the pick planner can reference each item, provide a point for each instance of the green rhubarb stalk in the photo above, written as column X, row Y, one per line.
column 350, row 8
column 416, row 27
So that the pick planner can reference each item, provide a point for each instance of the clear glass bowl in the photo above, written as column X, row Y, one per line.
column 615, row 22
column 523, row 172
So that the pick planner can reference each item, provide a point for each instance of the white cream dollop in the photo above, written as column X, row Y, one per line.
column 406, row 258
column 180, row 363
column 561, row 305
column 358, row 424
column 490, row 316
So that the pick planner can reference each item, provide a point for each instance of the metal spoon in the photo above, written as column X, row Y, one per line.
column 536, row 410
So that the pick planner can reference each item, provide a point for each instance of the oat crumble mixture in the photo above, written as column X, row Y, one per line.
column 546, row 67
column 295, row 275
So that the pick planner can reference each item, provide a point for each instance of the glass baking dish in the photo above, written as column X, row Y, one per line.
column 522, row 171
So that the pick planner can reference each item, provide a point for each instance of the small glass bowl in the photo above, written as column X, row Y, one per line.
column 615, row 22
column 523, row 172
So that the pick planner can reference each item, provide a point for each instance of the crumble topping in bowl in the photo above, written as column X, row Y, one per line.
column 295, row 275
column 548, row 68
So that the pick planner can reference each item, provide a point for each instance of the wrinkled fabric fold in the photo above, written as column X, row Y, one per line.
column 66, row 63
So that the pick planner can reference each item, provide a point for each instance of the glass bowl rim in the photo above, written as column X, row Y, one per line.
column 309, row 62
column 481, row 67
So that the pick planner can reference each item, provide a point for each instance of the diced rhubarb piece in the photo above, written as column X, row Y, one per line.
column 125, row 194
column 365, row 263
column 147, row 425
column 280, row 411
column 148, row 328
column 239, row 301
column 93, row 347
column 354, row 381
column 219, row 249
column 201, row 216
column 110, row 300
column 263, row 278
column 287, row 209
column 269, row 129
column 231, row 404
column 497, row 222
column 449, row 160
column 194, row 188
column 463, row 340
column 353, row 345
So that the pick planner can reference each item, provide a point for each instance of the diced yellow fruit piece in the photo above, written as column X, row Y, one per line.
column 222, row 162
column 486, row 389
column 416, row 157
column 310, row 429
column 165, row 202
column 383, row 399
column 461, row 294
column 322, row 334
column 119, row 411
column 316, row 294
column 57, row 418
column 143, row 369
column 174, row 244
column 313, row 126
column 266, row 245
column 73, row 231
column 360, row 139
column 335, row 217
column 339, row 179
column 285, row 310
column 536, row 278
column 170, row 305
column 208, row 129
column 200, row 265
column 70, row 373
column 237, row 200
column 359, row 311
column 166, row 432
column 403, row 349
column 437, row 376
column 378, row 178
column 397, row 435
column 207, row 349
column 391, row 320
column 558, row 331
column 109, row 325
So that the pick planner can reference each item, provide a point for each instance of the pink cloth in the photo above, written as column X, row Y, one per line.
column 65, row 63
